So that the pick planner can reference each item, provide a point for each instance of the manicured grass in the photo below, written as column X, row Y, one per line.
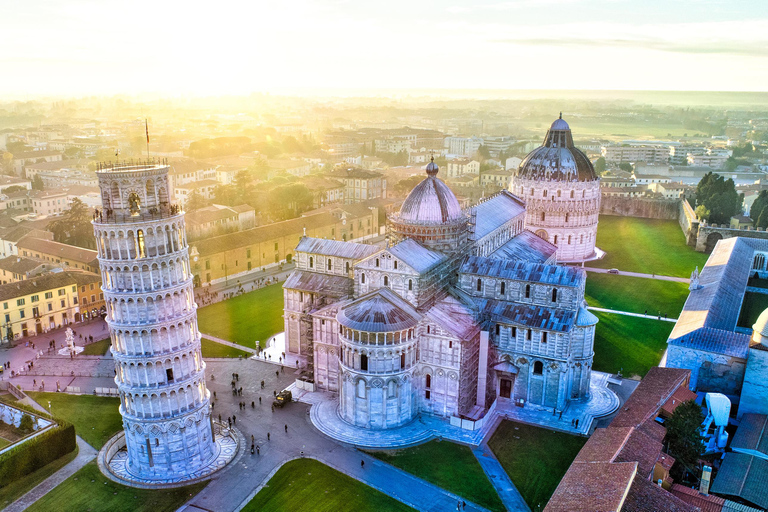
column 635, row 294
column 88, row 489
column 751, row 307
column 254, row 316
column 97, row 348
column 534, row 458
column 20, row 487
column 645, row 245
column 96, row 418
column 4, row 442
column 213, row 349
column 306, row 485
column 630, row 344
column 448, row 465
column 8, row 398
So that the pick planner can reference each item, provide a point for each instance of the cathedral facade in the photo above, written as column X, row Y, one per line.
column 464, row 307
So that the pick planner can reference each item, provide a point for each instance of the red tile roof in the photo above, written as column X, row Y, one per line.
column 706, row 502
column 593, row 487
column 653, row 392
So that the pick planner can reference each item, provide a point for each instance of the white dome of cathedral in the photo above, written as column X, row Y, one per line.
column 760, row 328
column 431, row 201
column 557, row 159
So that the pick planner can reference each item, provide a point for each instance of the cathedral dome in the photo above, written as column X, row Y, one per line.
column 377, row 313
column 557, row 159
column 431, row 201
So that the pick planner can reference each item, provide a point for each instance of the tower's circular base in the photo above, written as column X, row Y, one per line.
column 113, row 462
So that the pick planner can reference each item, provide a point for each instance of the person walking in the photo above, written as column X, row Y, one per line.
column 267, row 436
column 362, row 464
column 229, row 421
column 286, row 428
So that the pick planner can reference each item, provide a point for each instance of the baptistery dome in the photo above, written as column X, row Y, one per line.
column 558, row 159
column 431, row 201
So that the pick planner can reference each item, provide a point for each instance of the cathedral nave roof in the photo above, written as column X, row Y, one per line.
column 313, row 282
column 336, row 248
column 528, row 315
column 494, row 212
column 525, row 246
column 454, row 316
column 416, row 255
column 523, row 271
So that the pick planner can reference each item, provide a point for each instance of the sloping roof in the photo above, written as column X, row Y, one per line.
column 37, row 284
column 415, row 255
column 454, row 316
column 525, row 246
column 528, row 316
column 209, row 214
column 16, row 233
column 717, row 341
column 19, row 265
column 379, row 311
column 524, row 271
column 313, row 282
column 681, row 394
column 752, row 435
column 650, row 395
column 646, row 496
column 585, row 318
column 68, row 252
column 336, row 248
column 705, row 502
column 495, row 211
column 593, row 487
column 745, row 476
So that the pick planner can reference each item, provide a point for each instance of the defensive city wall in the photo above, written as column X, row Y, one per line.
column 704, row 236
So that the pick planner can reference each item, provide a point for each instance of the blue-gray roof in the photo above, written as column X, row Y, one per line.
column 752, row 435
column 525, row 246
column 379, row 311
column 528, row 316
column 745, row 476
column 523, row 271
column 717, row 341
column 313, row 282
column 415, row 255
column 336, row 248
column 495, row 211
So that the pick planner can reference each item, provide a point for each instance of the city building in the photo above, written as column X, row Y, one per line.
column 293, row 167
column 461, row 309
column 651, row 154
column 714, row 158
column 205, row 188
column 68, row 256
column 152, row 319
column 10, row 237
column 496, row 177
column 463, row 146
column 360, row 185
column 16, row 268
column 21, row 160
column 7, row 182
column 562, row 194
column 462, row 166
column 219, row 219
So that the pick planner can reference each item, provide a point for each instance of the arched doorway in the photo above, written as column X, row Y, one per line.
column 542, row 234
column 288, row 258
column 712, row 240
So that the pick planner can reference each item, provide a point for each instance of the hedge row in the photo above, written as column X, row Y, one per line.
column 37, row 452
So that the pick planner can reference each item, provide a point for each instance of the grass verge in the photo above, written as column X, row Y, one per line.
column 20, row 487
column 96, row 418
column 306, row 485
column 534, row 458
column 88, row 489
column 448, row 465
column 254, row 316
column 97, row 348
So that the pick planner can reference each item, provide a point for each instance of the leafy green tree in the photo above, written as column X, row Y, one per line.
column 702, row 212
column 225, row 194
column 484, row 152
column 404, row 186
column 719, row 196
column 26, row 424
column 73, row 152
column 762, row 219
column 684, row 437
column 37, row 183
column 13, row 188
column 625, row 166
column 761, row 201
column 195, row 201
column 600, row 166
column 73, row 226
column 289, row 201
column 244, row 185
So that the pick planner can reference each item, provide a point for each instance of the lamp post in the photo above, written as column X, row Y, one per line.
column 49, row 408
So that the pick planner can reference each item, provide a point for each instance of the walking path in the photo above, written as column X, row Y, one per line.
column 228, row 343
column 639, row 274
column 506, row 490
column 638, row 315
column 84, row 456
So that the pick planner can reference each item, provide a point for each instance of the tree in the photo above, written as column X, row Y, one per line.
column 13, row 188
column 684, row 437
column 600, row 166
column 26, row 424
column 404, row 186
column 484, row 152
column 719, row 196
column 73, row 227
column 625, row 166
column 195, row 201
column 225, row 194
column 244, row 186
column 702, row 212
column 289, row 201
column 74, row 152
column 37, row 183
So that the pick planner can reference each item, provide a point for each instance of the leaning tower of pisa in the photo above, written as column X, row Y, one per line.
column 152, row 318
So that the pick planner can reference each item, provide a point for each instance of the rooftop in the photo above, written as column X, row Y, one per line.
column 524, row 271
column 64, row 251
column 494, row 212
column 314, row 282
column 525, row 246
column 45, row 282
column 415, row 255
column 339, row 249
column 379, row 311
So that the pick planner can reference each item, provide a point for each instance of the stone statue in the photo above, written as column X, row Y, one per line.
column 70, row 337
column 695, row 285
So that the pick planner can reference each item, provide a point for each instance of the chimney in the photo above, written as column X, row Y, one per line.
column 706, row 475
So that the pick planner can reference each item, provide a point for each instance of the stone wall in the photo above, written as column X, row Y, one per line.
column 754, row 394
column 640, row 207
column 708, row 235
column 689, row 222
column 709, row 371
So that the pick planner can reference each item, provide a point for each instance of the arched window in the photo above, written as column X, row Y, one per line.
column 428, row 383
column 330, row 264
column 554, row 294
column 555, row 242
column 395, row 264
column 538, row 368
column 311, row 262
column 571, row 194
column 544, row 337
column 543, row 215
column 503, row 288
column 140, row 244
column 569, row 239
column 529, row 334
column 545, row 193
column 566, row 217
column 583, row 194
column 531, row 190
column 362, row 278
column 558, row 193
column 346, row 267
column 479, row 285
column 377, row 262
column 410, row 285
column 402, row 360
column 527, row 291
column 386, row 281
column 364, row 362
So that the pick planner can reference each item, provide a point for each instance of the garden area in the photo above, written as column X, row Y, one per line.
column 448, row 465
column 254, row 316
column 306, row 485
column 635, row 294
column 88, row 489
column 96, row 418
column 97, row 348
column 649, row 246
column 534, row 458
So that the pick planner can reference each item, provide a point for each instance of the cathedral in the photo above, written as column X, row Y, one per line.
column 463, row 307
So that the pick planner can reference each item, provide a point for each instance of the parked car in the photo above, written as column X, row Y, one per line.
column 282, row 398
column 613, row 271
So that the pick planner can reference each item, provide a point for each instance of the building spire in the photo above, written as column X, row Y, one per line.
column 561, row 114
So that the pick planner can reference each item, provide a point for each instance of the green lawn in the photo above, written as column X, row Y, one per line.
column 20, row 487
column 645, row 245
column 534, row 458
column 629, row 343
column 96, row 418
column 252, row 316
column 753, row 305
column 448, row 465
column 213, row 349
column 635, row 294
column 97, row 348
column 306, row 485
column 88, row 489
column 4, row 442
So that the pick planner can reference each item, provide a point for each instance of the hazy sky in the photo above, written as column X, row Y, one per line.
column 78, row 47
